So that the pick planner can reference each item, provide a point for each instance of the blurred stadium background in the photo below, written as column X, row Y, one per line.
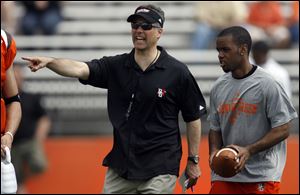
column 92, row 29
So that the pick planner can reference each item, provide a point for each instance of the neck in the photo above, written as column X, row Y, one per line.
column 244, row 70
column 145, row 58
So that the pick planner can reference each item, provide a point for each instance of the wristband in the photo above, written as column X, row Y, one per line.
column 9, row 133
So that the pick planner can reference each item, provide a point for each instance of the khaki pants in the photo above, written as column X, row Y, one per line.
column 162, row 184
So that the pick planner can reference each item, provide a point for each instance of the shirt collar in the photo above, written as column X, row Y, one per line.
column 158, row 64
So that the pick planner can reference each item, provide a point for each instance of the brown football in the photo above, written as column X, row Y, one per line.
column 224, row 161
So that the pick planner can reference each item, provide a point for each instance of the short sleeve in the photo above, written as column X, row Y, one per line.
column 279, row 107
column 99, row 73
column 11, row 53
column 213, row 117
column 192, row 103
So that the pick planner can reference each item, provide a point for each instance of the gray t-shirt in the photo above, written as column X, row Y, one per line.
column 245, row 110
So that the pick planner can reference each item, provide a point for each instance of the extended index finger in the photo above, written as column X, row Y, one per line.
column 28, row 58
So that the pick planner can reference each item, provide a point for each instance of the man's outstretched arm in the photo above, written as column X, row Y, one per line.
column 64, row 67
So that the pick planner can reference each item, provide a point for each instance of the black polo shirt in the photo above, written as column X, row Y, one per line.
column 143, row 107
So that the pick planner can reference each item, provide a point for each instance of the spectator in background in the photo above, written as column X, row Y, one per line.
column 261, row 57
column 43, row 16
column 293, row 23
column 28, row 154
column 266, row 22
column 213, row 16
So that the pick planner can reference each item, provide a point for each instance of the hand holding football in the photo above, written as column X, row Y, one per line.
column 224, row 161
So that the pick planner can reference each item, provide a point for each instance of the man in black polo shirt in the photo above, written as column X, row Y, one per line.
column 146, row 90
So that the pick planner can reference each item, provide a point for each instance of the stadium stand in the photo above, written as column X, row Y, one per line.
column 92, row 29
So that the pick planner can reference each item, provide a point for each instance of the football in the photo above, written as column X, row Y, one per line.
column 224, row 161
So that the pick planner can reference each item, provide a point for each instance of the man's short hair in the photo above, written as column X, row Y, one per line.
column 239, row 34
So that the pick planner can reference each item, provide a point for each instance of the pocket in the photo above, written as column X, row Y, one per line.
column 166, row 107
column 164, row 184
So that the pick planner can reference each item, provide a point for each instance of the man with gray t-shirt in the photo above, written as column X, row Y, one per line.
column 250, row 112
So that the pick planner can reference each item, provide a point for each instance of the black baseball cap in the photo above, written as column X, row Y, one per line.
column 149, row 14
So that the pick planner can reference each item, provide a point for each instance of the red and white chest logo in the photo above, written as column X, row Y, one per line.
column 161, row 92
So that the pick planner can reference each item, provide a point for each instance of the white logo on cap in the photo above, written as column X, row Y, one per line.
column 159, row 20
column 142, row 10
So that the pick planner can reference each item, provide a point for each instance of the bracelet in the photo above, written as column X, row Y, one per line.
column 9, row 133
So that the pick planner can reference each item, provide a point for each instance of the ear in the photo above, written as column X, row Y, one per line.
column 243, row 49
column 160, row 31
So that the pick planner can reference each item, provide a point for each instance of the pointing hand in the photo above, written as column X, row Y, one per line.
column 36, row 63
